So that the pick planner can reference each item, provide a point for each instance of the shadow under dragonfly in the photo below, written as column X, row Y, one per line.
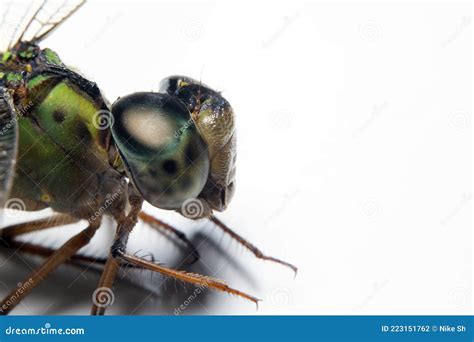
column 69, row 289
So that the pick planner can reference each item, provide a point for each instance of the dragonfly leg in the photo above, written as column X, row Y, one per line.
column 34, row 249
column 166, row 228
column 192, row 278
column 106, row 283
column 63, row 254
column 250, row 246
column 113, row 263
column 8, row 233
column 118, row 255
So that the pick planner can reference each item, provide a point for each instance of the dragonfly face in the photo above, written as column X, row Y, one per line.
column 178, row 144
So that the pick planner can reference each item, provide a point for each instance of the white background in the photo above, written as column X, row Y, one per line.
column 354, row 153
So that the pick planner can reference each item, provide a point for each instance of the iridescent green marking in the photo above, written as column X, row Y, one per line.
column 52, row 57
column 6, row 56
column 13, row 77
column 36, row 81
column 28, row 53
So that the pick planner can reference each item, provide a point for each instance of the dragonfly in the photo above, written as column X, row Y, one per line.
column 63, row 146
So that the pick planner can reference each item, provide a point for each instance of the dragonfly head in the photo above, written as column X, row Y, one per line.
column 178, row 146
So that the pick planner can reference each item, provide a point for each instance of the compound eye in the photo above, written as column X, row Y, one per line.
column 164, row 154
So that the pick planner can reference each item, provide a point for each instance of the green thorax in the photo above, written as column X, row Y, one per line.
column 62, row 150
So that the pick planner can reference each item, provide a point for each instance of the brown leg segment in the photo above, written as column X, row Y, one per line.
column 107, row 280
column 12, row 231
column 54, row 261
column 162, row 226
column 38, row 250
column 249, row 246
column 112, row 266
column 118, row 254
column 196, row 279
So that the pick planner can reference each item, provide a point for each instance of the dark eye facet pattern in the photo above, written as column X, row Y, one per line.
column 166, row 157
column 214, row 119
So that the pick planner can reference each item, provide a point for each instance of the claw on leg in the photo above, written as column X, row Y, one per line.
column 249, row 246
